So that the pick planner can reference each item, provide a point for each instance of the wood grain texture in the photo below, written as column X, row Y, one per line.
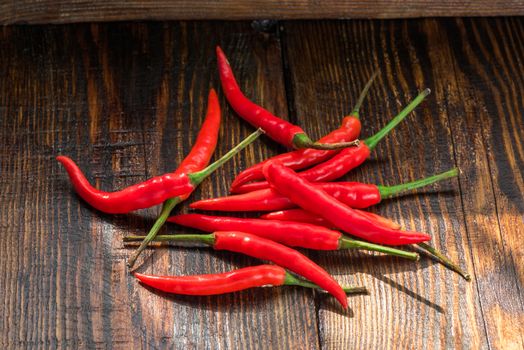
column 126, row 100
column 47, row 11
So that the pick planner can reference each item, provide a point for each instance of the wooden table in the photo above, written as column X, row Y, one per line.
column 126, row 100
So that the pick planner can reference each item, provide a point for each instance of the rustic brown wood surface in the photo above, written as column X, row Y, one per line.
column 63, row 11
column 126, row 101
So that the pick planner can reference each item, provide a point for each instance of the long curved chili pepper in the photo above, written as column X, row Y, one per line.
column 304, row 158
column 232, row 281
column 281, row 131
column 307, row 196
column 197, row 159
column 290, row 233
column 354, row 194
column 148, row 193
column 347, row 159
column 265, row 249
column 301, row 215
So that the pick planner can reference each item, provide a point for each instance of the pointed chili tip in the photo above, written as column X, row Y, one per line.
column 220, row 53
column 138, row 276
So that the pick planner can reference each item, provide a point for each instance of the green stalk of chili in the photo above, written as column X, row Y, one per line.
column 197, row 159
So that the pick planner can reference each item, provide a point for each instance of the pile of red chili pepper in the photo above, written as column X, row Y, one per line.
column 303, row 206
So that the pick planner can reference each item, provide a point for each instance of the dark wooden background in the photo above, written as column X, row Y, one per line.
column 126, row 100
column 67, row 11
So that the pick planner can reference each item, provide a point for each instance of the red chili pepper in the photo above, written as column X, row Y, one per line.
column 206, row 141
column 283, row 132
column 265, row 249
column 148, row 193
column 197, row 159
column 307, row 196
column 228, row 282
column 354, row 194
column 301, row 215
column 346, row 159
column 293, row 234
column 304, row 158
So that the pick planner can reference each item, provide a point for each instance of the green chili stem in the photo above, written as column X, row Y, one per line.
column 372, row 141
column 303, row 141
column 208, row 239
column 291, row 280
column 363, row 94
column 349, row 243
column 199, row 176
column 393, row 191
column 444, row 260
column 167, row 207
column 334, row 146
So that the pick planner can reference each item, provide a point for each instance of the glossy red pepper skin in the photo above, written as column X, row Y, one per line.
column 143, row 195
column 292, row 234
column 278, row 129
column 214, row 284
column 281, row 255
column 308, row 197
column 353, row 194
column 206, row 141
column 303, row 158
column 339, row 165
column 300, row 215
column 297, row 215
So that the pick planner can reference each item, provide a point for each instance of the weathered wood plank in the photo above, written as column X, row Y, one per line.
column 125, row 101
column 488, row 141
column 443, row 310
column 38, row 11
